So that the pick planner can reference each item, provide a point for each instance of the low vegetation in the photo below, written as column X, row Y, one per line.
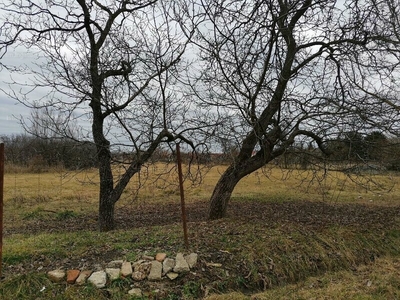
column 290, row 234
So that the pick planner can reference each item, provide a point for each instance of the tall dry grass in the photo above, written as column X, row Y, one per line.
column 158, row 183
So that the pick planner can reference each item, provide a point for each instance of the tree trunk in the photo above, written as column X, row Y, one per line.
column 106, row 199
column 222, row 193
column 106, row 213
column 244, row 165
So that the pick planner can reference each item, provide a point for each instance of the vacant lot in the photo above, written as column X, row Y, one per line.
column 289, row 234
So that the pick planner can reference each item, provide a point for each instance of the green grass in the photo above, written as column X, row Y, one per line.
column 38, row 286
column 267, row 257
column 377, row 280
column 20, row 247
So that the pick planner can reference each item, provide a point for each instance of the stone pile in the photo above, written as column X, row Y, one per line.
column 147, row 268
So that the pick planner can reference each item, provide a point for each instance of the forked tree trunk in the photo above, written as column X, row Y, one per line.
column 110, row 193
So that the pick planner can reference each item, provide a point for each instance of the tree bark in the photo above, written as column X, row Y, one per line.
column 106, row 213
column 110, row 194
column 106, row 201
column 222, row 193
column 244, row 165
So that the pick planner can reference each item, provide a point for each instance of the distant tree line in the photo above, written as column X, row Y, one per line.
column 350, row 148
column 39, row 154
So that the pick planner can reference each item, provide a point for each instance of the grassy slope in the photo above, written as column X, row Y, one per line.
column 377, row 280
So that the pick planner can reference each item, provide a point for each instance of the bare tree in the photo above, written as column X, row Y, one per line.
column 286, row 71
column 375, row 74
column 111, row 65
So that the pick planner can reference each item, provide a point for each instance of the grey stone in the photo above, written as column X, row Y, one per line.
column 168, row 265
column 181, row 264
column 98, row 279
column 113, row 273
column 191, row 259
column 56, row 275
column 126, row 269
column 155, row 271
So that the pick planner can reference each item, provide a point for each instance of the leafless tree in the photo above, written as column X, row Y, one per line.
column 292, row 71
column 375, row 74
column 113, row 66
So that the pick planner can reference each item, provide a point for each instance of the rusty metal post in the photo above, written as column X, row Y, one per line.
column 1, row 204
column 179, row 161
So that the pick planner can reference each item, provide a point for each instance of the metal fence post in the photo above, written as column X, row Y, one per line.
column 1, row 204
column 179, row 161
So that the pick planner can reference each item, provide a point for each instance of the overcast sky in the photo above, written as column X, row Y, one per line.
column 9, row 124
column 11, row 110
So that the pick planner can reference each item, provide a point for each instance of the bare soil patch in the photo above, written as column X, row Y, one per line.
column 313, row 215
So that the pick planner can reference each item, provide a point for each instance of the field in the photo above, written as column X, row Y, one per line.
column 289, row 234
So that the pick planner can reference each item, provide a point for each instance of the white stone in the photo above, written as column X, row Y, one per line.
column 113, row 273
column 191, row 259
column 98, row 279
column 181, row 264
column 155, row 271
column 168, row 265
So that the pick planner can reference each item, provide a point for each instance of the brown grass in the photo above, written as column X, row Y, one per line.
column 63, row 190
column 159, row 183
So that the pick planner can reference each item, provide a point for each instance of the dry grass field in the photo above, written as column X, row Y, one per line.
column 289, row 234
